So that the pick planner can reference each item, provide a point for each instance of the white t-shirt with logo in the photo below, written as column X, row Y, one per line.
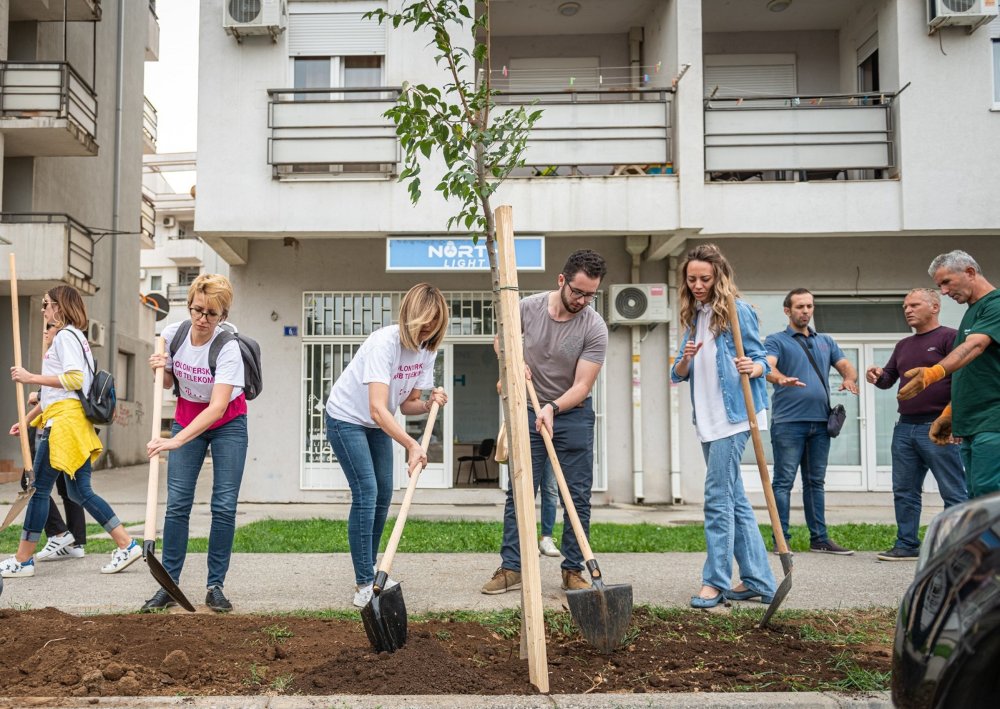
column 69, row 352
column 189, row 366
column 381, row 359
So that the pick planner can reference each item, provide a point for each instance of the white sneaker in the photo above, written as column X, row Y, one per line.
column 390, row 582
column 363, row 595
column 547, row 547
column 73, row 552
column 122, row 558
column 12, row 568
column 55, row 545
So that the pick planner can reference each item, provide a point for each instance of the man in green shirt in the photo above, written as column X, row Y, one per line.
column 974, row 366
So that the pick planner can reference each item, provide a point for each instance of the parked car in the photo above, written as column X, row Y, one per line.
column 947, row 646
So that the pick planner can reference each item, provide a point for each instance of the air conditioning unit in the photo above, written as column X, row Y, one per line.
column 95, row 333
column 964, row 13
column 169, row 222
column 639, row 304
column 245, row 17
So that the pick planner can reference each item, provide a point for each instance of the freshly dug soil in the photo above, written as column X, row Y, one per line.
column 50, row 653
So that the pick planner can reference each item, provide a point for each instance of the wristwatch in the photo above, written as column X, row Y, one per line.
column 555, row 408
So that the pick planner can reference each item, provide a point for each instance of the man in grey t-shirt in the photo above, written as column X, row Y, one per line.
column 565, row 342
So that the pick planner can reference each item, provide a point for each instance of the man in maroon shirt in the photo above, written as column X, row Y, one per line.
column 913, row 452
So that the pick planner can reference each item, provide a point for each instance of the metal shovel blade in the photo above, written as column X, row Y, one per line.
column 783, row 588
column 603, row 613
column 20, row 502
column 384, row 618
column 162, row 577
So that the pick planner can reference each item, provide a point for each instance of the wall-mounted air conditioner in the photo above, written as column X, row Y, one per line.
column 959, row 13
column 95, row 333
column 639, row 304
column 245, row 17
column 169, row 222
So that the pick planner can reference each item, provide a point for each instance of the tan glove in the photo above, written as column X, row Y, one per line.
column 940, row 431
column 920, row 379
column 500, row 452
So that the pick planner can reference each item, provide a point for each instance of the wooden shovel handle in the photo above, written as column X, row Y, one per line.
column 574, row 519
column 149, row 531
column 758, row 446
column 22, row 419
column 397, row 529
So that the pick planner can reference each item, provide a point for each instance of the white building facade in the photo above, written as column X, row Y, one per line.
column 824, row 146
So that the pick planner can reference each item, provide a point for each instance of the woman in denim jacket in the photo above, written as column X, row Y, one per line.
column 707, row 359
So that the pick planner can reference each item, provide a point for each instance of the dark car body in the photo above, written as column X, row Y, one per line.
column 947, row 645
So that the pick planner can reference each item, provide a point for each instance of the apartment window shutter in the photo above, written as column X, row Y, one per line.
column 331, row 34
column 749, row 75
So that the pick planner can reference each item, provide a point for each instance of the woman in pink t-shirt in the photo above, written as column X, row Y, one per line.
column 211, row 412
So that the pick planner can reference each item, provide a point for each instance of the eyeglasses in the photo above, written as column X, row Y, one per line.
column 209, row 315
column 579, row 294
column 49, row 326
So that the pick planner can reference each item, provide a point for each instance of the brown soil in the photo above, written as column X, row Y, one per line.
column 50, row 653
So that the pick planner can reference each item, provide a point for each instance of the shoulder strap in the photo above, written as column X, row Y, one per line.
column 93, row 370
column 221, row 340
column 815, row 367
column 175, row 344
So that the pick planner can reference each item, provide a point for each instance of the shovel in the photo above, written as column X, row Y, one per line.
column 602, row 612
column 149, row 531
column 23, row 497
column 765, row 480
column 384, row 616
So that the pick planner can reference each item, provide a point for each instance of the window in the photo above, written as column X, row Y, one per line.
column 124, row 373
column 311, row 73
column 996, row 71
column 186, row 276
column 156, row 283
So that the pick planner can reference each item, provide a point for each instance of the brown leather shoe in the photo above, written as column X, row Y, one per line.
column 503, row 580
column 572, row 580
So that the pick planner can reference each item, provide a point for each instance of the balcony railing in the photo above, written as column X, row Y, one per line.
column 37, row 11
column 147, row 222
column 148, row 126
column 841, row 136
column 178, row 292
column 47, row 90
column 45, row 234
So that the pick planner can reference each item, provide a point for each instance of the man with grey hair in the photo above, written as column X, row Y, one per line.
column 974, row 365
column 913, row 452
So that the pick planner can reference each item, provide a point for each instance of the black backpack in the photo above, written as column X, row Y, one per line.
column 99, row 403
column 249, row 350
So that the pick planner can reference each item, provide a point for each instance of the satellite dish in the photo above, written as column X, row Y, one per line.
column 159, row 304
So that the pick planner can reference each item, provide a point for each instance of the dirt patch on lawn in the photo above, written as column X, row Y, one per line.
column 51, row 653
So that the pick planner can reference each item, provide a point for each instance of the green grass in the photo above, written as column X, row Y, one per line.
column 422, row 536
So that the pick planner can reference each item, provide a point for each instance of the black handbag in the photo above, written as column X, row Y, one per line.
column 99, row 403
column 837, row 414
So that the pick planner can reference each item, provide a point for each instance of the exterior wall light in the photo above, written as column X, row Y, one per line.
column 778, row 5
column 568, row 9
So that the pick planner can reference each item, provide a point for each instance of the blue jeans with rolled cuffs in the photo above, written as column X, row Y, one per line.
column 730, row 527
column 573, row 440
column 365, row 456
column 78, row 487
column 229, row 454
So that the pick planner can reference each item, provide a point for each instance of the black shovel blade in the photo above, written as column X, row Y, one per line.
column 16, row 507
column 783, row 588
column 162, row 577
column 384, row 617
column 603, row 613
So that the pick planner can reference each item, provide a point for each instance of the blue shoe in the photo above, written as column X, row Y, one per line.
column 699, row 602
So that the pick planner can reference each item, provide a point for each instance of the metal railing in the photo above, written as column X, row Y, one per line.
column 79, row 239
column 821, row 136
column 147, row 218
column 149, row 121
column 47, row 89
column 177, row 292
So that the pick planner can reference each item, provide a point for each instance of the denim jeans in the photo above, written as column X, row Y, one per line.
column 804, row 443
column 229, row 454
column 981, row 456
column 913, row 453
column 78, row 487
column 573, row 441
column 550, row 499
column 730, row 527
column 365, row 455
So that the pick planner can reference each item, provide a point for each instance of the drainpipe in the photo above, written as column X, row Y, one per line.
column 672, row 399
column 635, row 245
column 116, row 205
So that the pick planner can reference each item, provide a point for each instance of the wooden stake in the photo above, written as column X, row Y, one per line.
column 18, row 387
column 519, row 464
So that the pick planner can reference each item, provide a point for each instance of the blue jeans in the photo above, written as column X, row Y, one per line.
column 229, row 454
column 730, row 527
column 981, row 455
column 78, row 487
column 804, row 443
column 365, row 455
column 550, row 500
column 573, row 441
column 913, row 453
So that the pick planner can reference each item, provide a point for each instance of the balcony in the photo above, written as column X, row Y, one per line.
column 52, row 10
column 46, row 110
column 148, row 127
column 147, row 223
column 152, row 34
column 178, row 292
column 52, row 249
column 184, row 251
column 803, row 138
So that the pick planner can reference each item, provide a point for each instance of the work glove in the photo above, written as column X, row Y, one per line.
column 940, row 431
column 920, row 379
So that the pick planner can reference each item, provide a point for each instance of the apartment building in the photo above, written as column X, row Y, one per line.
column 820, row 144
column 71, row 142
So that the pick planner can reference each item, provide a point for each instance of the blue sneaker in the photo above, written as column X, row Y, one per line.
column 12, row 568
column 122, row 558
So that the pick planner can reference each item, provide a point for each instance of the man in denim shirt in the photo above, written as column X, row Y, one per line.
column 800, row 411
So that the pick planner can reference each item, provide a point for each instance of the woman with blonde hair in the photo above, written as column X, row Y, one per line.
column 67, row 443
column 211, row 412
column 707, row 359
column 390, row 371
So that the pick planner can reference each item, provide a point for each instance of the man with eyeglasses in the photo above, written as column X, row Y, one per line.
column 565, row 343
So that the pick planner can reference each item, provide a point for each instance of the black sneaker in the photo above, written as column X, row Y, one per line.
column 899, row 554
column 215, row 600
column 829, row 547
column 160, row 601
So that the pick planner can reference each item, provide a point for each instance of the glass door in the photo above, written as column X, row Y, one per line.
column 437, row 474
